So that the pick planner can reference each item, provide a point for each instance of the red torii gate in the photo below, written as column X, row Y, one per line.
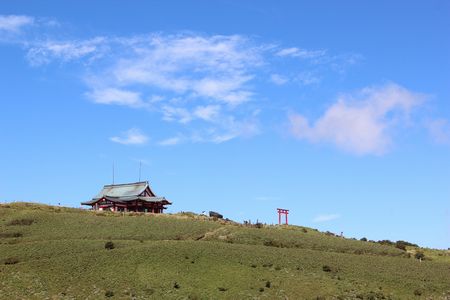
column 284, row 212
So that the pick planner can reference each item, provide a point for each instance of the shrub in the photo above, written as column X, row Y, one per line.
column 419, row 255
column 363, row 239
column 304, row 230
column 109, row 293
column 400, row 246
column 149, row 291
column 25, row 222
column 109, row 245
column 259, row 225
column 11, row 261
column 268, row 284
column 417, row 292
column 10, row 234
column 326, row 268
column 407, row 243
column 271, row 243
column 386, row 242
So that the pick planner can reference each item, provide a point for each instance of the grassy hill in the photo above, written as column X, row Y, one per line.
column 59, row 253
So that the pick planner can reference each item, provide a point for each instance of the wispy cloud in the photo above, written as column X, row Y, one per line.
column 211, row 67
column 300, row 53
column 307, row 78
column 208, row 112
column 278, row 79
column 14, row 23
column 359, row 123
column 133, row 136
column 116, row 96
column 178, row 114
column 171, row 141
column 439, row 130
column 47, row 51
column 325, row 218
column 206, row 83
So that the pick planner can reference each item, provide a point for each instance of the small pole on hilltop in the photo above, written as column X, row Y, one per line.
column 113, row 173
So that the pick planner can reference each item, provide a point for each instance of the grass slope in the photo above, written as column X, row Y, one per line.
column 62, row 255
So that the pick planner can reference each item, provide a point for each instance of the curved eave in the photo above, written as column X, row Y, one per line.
column 128, row 199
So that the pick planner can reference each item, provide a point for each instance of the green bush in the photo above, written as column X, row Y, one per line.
column 11, row 261
column 386, row 242
column 109, row 245
column 326, row 268
column 407, row 243
column 10, row 234
column 419, row 255
column 25, row 222
column 400, row 246
column 109, row 294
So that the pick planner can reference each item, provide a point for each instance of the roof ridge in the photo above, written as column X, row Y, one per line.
column 131, row 183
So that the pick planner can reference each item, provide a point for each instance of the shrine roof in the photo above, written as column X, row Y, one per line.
column 127, row 192
column 123, row 190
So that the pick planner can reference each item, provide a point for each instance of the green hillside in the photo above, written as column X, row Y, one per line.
column 59, row 253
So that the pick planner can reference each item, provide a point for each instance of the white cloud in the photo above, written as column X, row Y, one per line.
column 439, row 130
column 301, row 53
column 14, row 23
column 207, row 113
column 179, row 114
column 212, row 77
column 278, row 79
column 307, row 78
column 131, row 137
column 325, row 218
column 359, row 123
column 229, row 128
column 44, row 52
column 211, row 67
column 171, row 141
column 117, row 97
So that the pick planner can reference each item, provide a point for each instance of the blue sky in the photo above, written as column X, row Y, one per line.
column 337, row 111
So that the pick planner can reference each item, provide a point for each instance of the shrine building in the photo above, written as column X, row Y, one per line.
column 137, row 197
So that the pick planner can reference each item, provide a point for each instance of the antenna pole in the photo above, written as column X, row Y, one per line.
column 113, row 173
column 140, row 167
